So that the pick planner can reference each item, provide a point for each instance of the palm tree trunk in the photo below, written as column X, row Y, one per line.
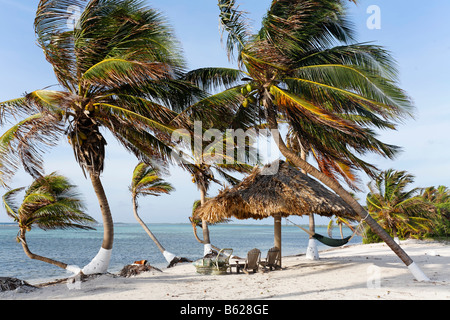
column 167, row 255
column 100, row 263
column 312, row 253
column 206, row 240
column 35, row 256
column 336, row 187
column 395, row 234
column 108, row 224
column 312, row 224
column 142, row 223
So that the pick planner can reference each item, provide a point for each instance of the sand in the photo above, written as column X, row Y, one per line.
column 368, row 272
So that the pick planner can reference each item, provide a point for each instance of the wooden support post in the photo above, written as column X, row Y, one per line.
column 277, row 233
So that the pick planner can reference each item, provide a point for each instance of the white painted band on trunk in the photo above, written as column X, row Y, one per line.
column 169, row 256
column 74, row 269
column 417, row 273
column 207, row 248
column 311, row 252
column 99, row 264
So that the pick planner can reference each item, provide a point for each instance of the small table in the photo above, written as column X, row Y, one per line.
column 238, row 264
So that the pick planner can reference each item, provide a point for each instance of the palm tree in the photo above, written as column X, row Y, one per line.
column 304, row 69
column 117, row 70
column 196, row 222
column 146, row 181
column 204, row 144
column 49, row 203
column 440, row 217
column 395, row 208
column 208, row 158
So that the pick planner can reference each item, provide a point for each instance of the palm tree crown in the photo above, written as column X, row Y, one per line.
column 395, row 207
column 146, row 181
column 50, row 202
column 304, row 67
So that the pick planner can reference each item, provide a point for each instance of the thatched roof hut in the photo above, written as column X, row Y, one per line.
column 276, row 190
column 265, row 193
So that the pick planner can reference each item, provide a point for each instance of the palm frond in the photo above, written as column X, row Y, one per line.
column 213, row 78
column 125, row 29
column 234, row 22
column 146, row 181
column 9, row 203
column 295, row 26
column 25, row 142
column 314, row 112
column 131, row 116
column 13, row 108
column 215, row 111
column 114, row 72
column 50, row 202
column 379, row 94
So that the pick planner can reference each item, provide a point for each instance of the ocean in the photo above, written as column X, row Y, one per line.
column 131, row 243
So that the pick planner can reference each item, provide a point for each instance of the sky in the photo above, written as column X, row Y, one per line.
column 417, row 33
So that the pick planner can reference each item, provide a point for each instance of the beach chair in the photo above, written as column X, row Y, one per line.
column 272, row 260
column 252, row 261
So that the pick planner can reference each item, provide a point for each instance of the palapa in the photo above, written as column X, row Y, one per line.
column 265, row 193
column 278, row 193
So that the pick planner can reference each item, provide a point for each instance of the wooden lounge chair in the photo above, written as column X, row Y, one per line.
column 272, row 259
column 252, row 261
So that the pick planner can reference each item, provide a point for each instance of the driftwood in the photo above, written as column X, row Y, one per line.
column 135, row 269
column 79, row 277
column 9, row 284
column 177, row 260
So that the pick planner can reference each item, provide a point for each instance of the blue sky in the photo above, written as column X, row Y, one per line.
column 416, row 32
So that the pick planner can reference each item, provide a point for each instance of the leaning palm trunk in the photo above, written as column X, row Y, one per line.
column 33, row 256
column 146, row 181
column 170, row 257
column 207, row 246
column 100, row 262
column 336, row 187
column 395, row 234
column 50, row 202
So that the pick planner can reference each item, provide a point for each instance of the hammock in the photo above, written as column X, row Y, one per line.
column 327, row 241
column 332, row 242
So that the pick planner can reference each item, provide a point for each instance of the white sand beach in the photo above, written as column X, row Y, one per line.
column 367, row 272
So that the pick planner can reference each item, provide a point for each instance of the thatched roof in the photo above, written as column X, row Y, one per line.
column 263, row 193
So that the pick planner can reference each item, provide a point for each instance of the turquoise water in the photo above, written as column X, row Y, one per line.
column 131, row 243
